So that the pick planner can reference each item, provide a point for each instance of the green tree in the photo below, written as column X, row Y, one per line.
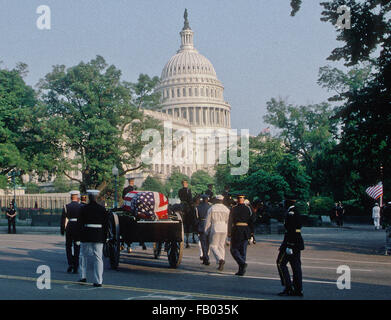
column 199, row 181
column 94, row 118
column 295, row 176
column 144, row 93
column 153, row 184
column 306, row 130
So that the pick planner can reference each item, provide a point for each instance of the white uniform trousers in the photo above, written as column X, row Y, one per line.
column 94, row 250
column 376, row 222
column 217, row 245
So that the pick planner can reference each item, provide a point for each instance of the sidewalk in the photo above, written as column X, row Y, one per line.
column 32, row 230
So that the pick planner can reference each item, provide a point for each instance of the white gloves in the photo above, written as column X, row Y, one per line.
column 289, row 251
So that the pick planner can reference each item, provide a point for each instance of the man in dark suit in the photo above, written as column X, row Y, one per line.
column 70, row 227
column 290, row 250
column 93, row 222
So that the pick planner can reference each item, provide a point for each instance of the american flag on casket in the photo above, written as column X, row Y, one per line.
column 148, row 205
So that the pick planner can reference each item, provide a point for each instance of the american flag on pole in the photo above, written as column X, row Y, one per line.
column 375, row 192
column 147, row 205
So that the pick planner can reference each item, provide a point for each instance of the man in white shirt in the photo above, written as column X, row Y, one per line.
column 216, row 228
column 376, row 216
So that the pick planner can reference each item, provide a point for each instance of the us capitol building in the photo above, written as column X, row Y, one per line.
column 192, row 99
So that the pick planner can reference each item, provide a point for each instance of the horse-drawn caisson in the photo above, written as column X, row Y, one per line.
column 145, row 217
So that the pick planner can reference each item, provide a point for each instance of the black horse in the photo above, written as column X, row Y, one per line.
column 189, row 219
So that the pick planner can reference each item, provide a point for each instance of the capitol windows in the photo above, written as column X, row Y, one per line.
column 184, row 92
column 207, row 92
column 178, row 93
column 202, row 92
column 196, row 92
column 190, row 92
column 172, row 93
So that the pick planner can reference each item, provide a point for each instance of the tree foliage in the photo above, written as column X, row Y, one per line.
column 95, row 120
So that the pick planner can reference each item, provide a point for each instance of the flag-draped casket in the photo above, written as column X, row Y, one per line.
column 147, row 205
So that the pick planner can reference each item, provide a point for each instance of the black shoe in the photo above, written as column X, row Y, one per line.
column 187, row 245
column 205, row 261
column 144, row 247
column 69, row 270
column 297, row 293
column 286, row 292
column 202, row 258
column 244, row 268
column 97, row 285
column 240, row 271
column 84, row 280
column 221, row 265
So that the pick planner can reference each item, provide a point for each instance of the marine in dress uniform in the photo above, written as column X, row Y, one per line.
column 93, row 222
column 186, row 198
column 11, row 216
column 290, row 250
column 70, row 227
column 216, row 228
column 202, row 212
column 240, row 230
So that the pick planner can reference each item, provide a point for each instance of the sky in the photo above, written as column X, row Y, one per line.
column 258, row 50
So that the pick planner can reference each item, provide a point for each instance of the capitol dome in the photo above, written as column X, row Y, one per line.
column 190, row 88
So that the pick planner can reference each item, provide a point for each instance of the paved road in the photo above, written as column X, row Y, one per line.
column 140, row 276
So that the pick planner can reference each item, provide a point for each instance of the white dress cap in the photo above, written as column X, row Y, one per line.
column 93, row 192
column 74, row 192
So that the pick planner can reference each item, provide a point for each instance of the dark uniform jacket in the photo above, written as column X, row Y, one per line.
column 240, row 214
column 209, row 193
column 202, row 212
column 71, row 211
column 95, row 214
column 185, row 196
column 292, row 224
column 127, row 190
column 11, row 212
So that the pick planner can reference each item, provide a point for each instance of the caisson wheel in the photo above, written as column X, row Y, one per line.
column 113, row 244
column 175, row 248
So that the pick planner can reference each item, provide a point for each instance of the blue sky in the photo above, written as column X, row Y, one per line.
column 258, row 50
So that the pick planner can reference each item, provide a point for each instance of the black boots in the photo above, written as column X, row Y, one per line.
column 221, row 265
column 242, row 270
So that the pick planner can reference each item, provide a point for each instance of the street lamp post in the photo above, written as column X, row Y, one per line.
column 13, row 174
column 381, row 177
column 115, row 174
